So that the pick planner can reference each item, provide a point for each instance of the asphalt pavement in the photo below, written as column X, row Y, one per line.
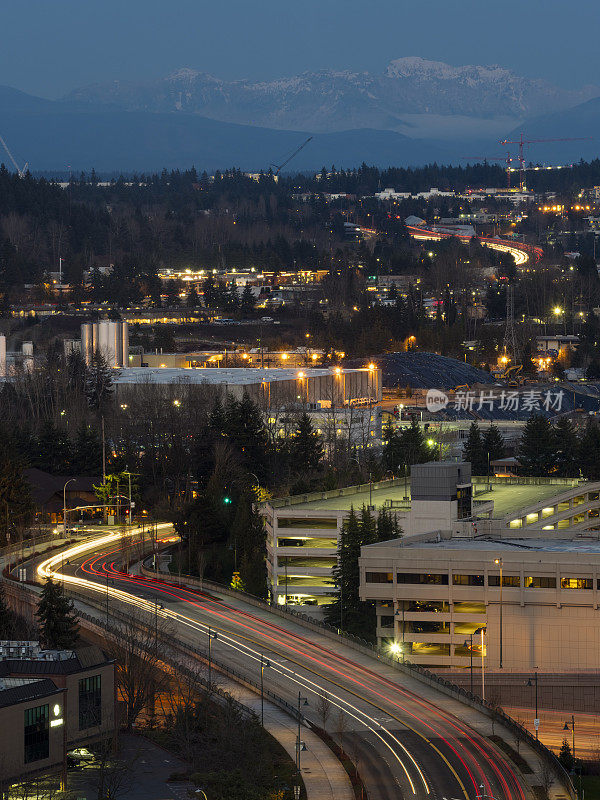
column 413, row 741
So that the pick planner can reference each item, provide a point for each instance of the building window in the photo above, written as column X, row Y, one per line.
column 578, row 518
column 594, row 513
column 548, row 511
column 515, row 523
column 379, row 577
column 533, row 517
column 467, row 580
column 564, row 523
column 37, row 733
column 540, row 583
column 564, row 505
column 593, row 496
column 577, row 501
column 90, row 702
column 422, row 578
column 576, row 583
column 386, row 621
column 510, row 581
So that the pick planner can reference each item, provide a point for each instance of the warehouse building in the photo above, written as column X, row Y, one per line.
column 268, row 387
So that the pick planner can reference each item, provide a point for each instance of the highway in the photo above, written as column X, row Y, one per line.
column 521, row 253
column 410, row 741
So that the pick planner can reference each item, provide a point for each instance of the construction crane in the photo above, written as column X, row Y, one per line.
column 20, row 172
column 279, row 167
column 522, row 142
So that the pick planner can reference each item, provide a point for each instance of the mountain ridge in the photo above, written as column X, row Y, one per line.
column 330, row 100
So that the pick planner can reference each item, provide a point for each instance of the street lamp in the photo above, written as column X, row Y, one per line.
column 65, row 505
column 470, row 647
column 396, row 649
column 536, row 722
column 157, row 606
column 397, row 614
column 263, row 664
column 211, row 635
column 500, row 563
column 299, row 744
column 566, row 728
column 482, row 632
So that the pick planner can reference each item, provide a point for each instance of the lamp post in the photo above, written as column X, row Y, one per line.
column 65, row 506
column 482, row 632
column 471, row 658
column 303, row 701
column 157, row 606
column 536, row 722
column 500, row 563
column 211, row 635
column 263, row 664
column 566, row 728
column 397, row 614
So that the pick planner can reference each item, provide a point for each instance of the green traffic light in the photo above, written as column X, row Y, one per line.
column 227, row 500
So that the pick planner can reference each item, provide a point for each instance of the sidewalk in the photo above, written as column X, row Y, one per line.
column 323, row 775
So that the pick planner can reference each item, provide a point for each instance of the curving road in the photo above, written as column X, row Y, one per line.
column 410, row 741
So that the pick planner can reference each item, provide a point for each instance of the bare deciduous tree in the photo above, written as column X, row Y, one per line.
column 139, row 653
column 324, row 709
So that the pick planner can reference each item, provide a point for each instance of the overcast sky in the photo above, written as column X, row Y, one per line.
column 49, row 47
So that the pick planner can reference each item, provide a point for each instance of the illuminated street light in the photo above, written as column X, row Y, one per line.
column 176, row 403
column 499, row 562
column 557, row 311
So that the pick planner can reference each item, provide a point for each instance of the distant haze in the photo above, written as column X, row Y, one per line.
column 51, row 48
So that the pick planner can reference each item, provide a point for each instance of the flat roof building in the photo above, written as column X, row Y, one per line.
column 303, row 531
column 274, row 386
column 51, row 701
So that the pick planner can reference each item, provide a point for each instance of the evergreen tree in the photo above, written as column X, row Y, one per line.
column 53, row 450
column 306, row 447
column 347, row 611
column 57, row 619
column 412, row 447
column 217, row 419
column 193, row 300
column 247, row 300
column 565, row 756
column 99, row 384
column 392, row 454
column 493, row 445
column 589, row 450
column 16, row 505
column 86, row 451
column 473, row 451
column 537, row 449
column 248, row 536
column 6, row 617
column 387, row 526
column 567, row 461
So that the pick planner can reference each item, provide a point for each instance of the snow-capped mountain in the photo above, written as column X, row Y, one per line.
column 398, row 99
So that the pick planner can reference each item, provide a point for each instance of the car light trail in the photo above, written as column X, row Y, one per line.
column 225, row 612
column 46, row 570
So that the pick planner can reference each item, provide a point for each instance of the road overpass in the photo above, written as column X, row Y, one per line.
column 411, row 739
